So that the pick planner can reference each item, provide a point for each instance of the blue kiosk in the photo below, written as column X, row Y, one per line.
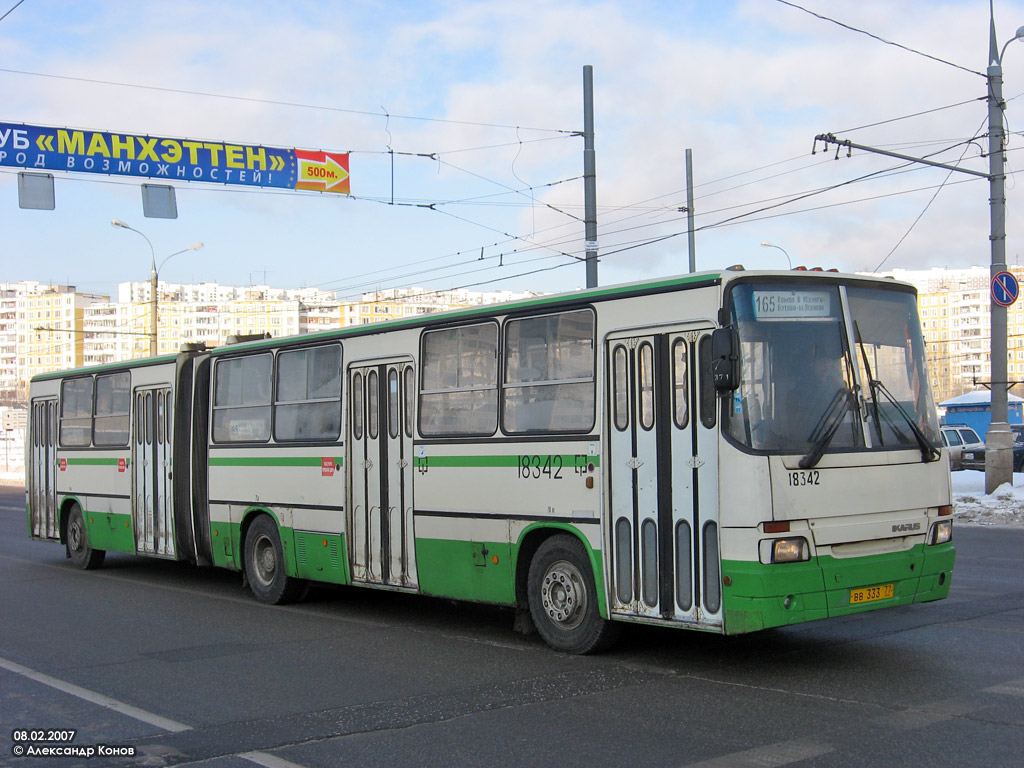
column 975, row 410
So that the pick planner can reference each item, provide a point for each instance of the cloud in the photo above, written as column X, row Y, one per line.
column 745, row 85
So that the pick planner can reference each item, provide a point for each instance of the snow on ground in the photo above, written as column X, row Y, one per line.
column 1005, row 506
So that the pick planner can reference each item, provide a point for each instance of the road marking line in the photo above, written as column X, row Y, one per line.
column 268, row 761
column 260, row 758
column 96, row 698
column 1011, row 687
column 769, row 756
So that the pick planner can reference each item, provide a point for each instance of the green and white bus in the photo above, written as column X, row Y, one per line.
column 725, row 451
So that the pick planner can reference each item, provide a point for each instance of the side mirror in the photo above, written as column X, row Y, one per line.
column 725, row 359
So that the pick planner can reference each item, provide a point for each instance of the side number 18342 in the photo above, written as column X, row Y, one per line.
column 800, row 479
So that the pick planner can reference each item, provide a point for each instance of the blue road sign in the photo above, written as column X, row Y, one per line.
column 1005, row 289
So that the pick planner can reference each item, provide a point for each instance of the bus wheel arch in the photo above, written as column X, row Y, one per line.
column 75, row 536
column 264, row 564
column 556, row 578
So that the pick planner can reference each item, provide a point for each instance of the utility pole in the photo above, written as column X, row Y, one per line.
column 589, row 177
column 998, row 440
column 689, row 211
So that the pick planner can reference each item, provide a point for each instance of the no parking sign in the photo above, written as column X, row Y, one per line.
column 1005, row 289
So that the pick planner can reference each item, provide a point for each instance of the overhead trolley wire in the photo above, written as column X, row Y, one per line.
column 279, row 103
column 876, row 37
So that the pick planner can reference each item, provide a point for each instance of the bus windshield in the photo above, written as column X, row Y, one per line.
column 828, row 367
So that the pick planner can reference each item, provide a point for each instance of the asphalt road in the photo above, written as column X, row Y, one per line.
column 181, row 666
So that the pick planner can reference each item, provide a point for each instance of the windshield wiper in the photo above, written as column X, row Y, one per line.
column 827, row 426
column 928, row 451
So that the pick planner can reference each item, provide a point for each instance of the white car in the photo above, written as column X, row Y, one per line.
column 958, row 438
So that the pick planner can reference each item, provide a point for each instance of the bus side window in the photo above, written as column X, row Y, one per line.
column 459, row 381
column 548, row 367
column 307, row 402
column 241, row 399
column 113, row 403
column 76, row 411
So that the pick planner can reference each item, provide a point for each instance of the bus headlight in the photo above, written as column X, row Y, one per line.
column 790, row 550
column 942, row 532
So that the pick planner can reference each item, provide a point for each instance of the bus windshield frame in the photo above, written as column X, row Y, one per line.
column 828, row 366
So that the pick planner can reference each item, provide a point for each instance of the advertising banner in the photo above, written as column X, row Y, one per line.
column 154, row 157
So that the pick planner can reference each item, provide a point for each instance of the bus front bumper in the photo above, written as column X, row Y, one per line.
column 758, row 596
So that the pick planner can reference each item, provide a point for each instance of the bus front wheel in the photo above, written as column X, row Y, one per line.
column 563, row 599
column 264, row 565
column 77, row 539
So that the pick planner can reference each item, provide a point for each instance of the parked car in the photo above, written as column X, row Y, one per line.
column 974, row 458
column 958, row 439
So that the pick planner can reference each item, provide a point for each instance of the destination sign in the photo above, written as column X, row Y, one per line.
column 791, row 305
column 157, row 157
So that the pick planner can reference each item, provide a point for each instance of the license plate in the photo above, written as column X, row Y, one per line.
column 869, row 594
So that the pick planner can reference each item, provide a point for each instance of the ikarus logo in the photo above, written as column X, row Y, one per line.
column 906, row 527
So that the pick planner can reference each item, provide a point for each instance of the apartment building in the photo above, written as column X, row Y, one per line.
column 40, row 330
column 955, row 309
column 45, row 328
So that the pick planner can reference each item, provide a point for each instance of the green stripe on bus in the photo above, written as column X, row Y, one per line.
column 274, row 461
column 569, row 460
column 107, row 462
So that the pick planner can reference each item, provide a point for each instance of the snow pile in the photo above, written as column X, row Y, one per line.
column 971, row 505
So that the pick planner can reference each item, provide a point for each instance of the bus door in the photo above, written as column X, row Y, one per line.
column 151, row 472
column 43, row 463
column 663, row 516
column 381, row 417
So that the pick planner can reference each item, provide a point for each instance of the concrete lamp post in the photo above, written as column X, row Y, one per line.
column 154, row 272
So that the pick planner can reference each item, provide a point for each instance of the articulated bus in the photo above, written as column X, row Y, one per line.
column 726, row 451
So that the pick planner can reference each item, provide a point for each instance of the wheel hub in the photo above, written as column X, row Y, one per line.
column 265, row 559
column 75, row 536
column 563, row 595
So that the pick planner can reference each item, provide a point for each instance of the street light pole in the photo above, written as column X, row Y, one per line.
column 773, row 245
column 154, row 281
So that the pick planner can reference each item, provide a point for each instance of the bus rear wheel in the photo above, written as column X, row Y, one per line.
column 563, row 598
column 265, row 567
column 77, row 540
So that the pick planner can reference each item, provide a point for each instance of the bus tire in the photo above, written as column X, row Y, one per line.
column 264, row 565
column 563, row 598
column 77, row 542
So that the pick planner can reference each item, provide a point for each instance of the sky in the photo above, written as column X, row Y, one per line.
column 463, row 121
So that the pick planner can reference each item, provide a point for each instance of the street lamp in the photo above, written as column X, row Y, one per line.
column 773, row 245
column 154, row 272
